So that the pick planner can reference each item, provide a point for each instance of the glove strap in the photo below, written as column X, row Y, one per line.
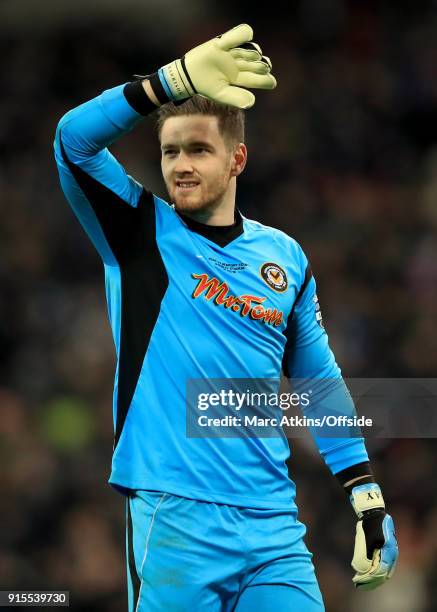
column 366, row 497
column 173, row 82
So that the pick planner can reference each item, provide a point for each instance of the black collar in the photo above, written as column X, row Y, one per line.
column 220, row 234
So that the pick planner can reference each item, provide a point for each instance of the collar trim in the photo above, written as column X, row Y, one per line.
column 220, row 234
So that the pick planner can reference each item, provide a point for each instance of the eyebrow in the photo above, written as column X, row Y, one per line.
column 196, row 143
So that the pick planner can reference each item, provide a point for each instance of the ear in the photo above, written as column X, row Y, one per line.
column 239, row 159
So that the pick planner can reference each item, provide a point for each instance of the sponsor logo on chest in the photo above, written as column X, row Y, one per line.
column 247, row 305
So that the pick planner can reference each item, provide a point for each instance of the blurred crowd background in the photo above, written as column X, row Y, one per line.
column 342, row 156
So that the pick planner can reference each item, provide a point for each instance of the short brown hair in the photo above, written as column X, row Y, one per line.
column 230, row 118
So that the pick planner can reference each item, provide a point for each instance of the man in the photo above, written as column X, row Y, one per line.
column 197, row 291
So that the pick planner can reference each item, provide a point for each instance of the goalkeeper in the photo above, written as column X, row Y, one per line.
column 195, row 290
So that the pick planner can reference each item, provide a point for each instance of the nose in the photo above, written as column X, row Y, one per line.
column 183, row 164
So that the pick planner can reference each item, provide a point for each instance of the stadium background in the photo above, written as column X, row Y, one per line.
column 342, row 155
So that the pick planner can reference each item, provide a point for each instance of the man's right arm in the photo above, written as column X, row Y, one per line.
column 102, row 195
column 111, row 205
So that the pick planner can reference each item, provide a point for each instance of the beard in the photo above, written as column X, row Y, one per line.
column 199, row 202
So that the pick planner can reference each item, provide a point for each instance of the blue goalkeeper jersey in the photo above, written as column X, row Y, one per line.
column 187, row 301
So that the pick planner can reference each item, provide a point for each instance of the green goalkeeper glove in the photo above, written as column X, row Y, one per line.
column 376, row 550
column 219, row 69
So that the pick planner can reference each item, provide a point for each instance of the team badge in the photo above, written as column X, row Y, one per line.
column 274, row 276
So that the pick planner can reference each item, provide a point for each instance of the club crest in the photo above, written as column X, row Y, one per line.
column 274, row 276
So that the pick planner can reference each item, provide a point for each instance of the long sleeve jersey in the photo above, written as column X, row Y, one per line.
column 186, row 301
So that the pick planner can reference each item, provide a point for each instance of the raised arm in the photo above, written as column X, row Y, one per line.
column 110, row 204
column 103, row 196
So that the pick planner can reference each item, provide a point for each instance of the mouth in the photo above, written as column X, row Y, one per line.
column 186, row 185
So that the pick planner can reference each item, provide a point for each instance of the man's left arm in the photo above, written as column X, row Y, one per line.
column 308, row 357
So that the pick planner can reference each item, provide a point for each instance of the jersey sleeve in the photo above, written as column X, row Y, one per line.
column 111, row 205
column 309, row 359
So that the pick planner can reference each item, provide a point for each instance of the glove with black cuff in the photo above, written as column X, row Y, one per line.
column 219, row 69
column 376, row 550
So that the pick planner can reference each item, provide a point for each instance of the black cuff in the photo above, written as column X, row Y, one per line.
column 158, row 89
column 138, row 99
column 355, row 471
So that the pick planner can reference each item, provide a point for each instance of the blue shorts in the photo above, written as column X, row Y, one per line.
column 186, row 554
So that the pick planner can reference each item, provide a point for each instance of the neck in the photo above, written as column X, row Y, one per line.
column 214, row 218
column 195, row 221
